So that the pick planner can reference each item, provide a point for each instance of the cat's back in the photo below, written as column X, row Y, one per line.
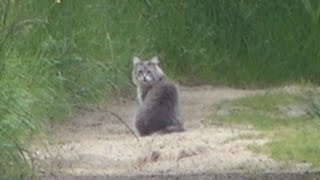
column 163, row 93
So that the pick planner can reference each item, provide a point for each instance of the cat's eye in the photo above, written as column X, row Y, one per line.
column 140, row 72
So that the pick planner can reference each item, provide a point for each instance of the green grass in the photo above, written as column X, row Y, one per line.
column 293, row 137
column 297, row 143
column 235, row 42
column 262, row 111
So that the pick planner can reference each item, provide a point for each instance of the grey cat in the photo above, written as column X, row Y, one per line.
column 158, row 99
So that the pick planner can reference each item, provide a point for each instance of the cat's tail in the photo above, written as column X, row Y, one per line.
column 172, row 129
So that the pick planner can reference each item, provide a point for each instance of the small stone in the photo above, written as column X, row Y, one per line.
column 155, row 155
column 185, row 153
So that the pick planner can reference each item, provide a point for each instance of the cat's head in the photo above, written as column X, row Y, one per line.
column 146, row 73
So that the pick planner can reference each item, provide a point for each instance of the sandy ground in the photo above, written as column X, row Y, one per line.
column 95, row 143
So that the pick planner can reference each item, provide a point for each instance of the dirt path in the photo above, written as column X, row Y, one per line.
column 96, row 143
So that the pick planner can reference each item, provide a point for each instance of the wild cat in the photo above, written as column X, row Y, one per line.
column 158, row 99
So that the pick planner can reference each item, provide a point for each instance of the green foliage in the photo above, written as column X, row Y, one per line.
column 266, row 111
column 238, row 42
column 312, row 99
column 301, row 144
column 57, row 55
column 267, row 102
column 294, row 137
column 53, row 58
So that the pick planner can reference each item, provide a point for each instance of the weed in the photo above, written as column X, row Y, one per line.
column 292, row 138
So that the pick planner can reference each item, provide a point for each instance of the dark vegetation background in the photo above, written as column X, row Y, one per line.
column 58, row 55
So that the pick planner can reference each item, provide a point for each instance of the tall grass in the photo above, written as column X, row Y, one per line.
column 238, row 42
column 57, row 55
column 54, row 57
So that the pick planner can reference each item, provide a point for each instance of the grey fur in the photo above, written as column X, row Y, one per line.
column 158, row 99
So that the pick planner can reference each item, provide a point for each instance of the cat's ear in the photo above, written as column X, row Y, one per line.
column 136, row 60
column 155, row 60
